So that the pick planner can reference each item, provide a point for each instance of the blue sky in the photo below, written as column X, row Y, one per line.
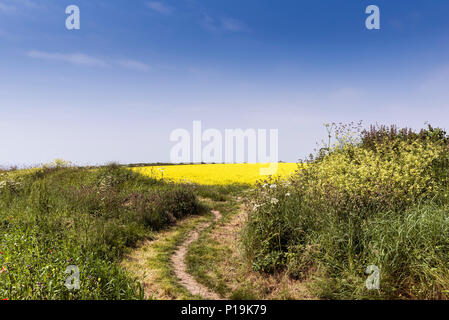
column 137, row 69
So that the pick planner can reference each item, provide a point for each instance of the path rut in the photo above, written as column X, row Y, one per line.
column 180, row 267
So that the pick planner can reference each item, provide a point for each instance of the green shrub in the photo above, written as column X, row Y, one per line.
column 379, row 200
column 58, row 216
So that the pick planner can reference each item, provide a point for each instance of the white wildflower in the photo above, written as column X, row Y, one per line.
column 274, row 201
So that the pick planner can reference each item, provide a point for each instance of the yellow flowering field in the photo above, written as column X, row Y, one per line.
column 215, row 174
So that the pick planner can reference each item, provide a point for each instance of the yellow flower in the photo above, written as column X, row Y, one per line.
column 216, row 174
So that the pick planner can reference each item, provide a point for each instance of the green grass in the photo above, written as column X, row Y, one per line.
column 157, row 257
column 221, row 193
column 215, row 261
column 54, row 217
column 380, row 200
column 205, row 253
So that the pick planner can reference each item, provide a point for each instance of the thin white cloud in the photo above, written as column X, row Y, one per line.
column 72, row 58
column 29, row 3
column 224, row 24
column 234, row 25
column 209, row 23
column 82, row 59
column 159, row 7
column 17, row 6
column 132, row 64
column 6, row 8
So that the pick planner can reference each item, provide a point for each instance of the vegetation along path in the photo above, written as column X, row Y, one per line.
column 180, row 267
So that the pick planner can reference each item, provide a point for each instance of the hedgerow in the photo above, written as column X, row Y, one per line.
column 380, row 199
column 60, row 216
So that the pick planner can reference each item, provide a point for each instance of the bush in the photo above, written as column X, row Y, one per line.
column 58, row 216
column 380, row 200
column 389, row 176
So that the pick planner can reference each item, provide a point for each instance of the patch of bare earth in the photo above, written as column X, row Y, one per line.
column 180, row 267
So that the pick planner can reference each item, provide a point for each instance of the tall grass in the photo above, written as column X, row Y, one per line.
column 58, row 216
column 379, row 200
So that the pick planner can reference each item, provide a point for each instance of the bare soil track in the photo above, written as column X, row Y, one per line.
column 180, row 267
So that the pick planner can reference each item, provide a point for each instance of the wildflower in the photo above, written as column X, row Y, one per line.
column 273, row 186
column 274, row 201
column 3, row 270
column 287, row 194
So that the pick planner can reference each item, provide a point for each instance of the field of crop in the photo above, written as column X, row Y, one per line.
column 215, row 174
